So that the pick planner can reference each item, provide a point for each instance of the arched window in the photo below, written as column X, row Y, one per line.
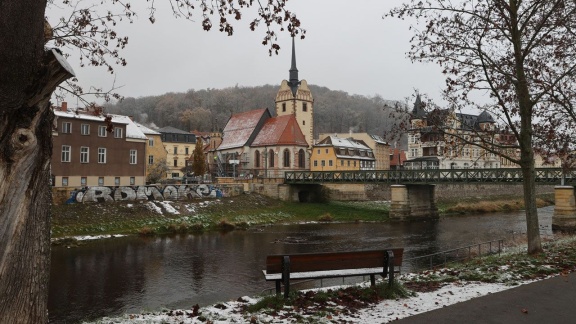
column 257, row 159
column 301, row 159
column 271, row 159
column 453, row 165
column 286, row 158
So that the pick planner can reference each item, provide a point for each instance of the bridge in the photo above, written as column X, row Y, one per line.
column 547, row 176
column 413, row 191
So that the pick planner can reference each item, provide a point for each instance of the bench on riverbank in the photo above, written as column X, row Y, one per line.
column 283, row 268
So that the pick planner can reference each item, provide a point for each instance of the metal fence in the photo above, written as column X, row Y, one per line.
column 440, row 259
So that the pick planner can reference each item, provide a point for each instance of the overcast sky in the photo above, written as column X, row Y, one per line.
column 348, row 47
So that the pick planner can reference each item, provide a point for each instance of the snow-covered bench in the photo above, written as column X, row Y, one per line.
column 283, row 268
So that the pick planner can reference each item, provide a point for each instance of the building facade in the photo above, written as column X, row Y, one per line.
column 377, row 144
column 89, row 151
column 179, row 146
column 341, row 154
column 155, row 151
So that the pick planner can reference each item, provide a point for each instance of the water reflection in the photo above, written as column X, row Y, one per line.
column 115, row 276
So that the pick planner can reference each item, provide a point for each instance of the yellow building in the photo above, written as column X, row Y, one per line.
column 379, row 146
column 179, row 146
column 340, row 154
column 155, row 151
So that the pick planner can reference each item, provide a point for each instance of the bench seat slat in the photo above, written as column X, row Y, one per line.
column 326, row 274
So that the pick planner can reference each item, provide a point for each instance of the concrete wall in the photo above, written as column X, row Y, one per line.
column 167, row 192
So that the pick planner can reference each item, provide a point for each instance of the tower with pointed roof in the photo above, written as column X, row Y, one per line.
column 294, row 98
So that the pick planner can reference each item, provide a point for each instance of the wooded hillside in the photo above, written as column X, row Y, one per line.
column 210, row 109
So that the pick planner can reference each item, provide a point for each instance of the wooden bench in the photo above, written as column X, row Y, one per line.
column 282, row 268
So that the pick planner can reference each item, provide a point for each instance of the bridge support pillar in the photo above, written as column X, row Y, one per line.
column 564, row 218
column 413, row 202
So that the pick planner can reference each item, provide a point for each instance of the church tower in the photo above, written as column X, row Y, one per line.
column 294, row 98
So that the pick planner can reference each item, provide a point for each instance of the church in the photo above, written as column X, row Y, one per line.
column 257, row 144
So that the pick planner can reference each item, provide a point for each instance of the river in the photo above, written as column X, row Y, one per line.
column 134, row 274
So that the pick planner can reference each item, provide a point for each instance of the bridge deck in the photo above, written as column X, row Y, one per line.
column 548, row 176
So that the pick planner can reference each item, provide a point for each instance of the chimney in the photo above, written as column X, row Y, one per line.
column 64, row 106
column 131, row 118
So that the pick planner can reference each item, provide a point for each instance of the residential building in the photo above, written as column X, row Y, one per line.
column 179, row 145
column 339, row 154
column 155, row 150
column 443, row 139
column 89, row 151
column 397, row 159
column 377, row 144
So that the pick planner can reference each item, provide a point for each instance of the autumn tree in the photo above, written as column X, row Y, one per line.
column 516, row 56
column 157, row 171
column 199, row 163
column 29, row 74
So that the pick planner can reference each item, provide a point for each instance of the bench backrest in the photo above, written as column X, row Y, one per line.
column 332, row 260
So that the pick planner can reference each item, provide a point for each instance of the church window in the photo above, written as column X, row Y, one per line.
column 286, row 158
column 257, row 159
column 271, row 158
column 301, row 159
column 303, row 122
column 304, row 106
column 283, row 106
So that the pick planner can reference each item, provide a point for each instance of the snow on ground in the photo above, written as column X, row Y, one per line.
column 168, row 206
column 95, row 237
column 383, row 312
column 152, row 206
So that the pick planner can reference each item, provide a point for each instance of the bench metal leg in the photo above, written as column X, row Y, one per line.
column 286, row 275
column 278, row 289
column 372, row 280
column 390, row 267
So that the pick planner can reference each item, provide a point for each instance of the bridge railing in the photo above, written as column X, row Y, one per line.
column 511, row 175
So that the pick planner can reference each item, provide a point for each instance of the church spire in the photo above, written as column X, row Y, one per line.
column 293, row 81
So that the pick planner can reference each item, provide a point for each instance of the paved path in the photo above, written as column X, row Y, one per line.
column 550, row 301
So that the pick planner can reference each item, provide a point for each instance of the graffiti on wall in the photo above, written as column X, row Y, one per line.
column 169, row 192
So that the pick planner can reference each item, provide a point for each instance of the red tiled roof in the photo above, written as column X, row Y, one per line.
column 282, row 130
column 240, row 127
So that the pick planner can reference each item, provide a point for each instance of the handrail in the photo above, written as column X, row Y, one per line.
column 549, row 176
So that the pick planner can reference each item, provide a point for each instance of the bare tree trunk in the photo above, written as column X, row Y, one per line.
column 28, row 76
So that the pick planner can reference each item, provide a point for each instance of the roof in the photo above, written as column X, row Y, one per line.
column 132, row 131
column 418, row 111
column 146, row 130
column 282, row 130
column 172, row 130
column 378, row 139
column 485, row 117
column 240, row 128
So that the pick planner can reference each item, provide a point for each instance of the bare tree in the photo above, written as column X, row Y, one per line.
column 515, row 54
column 29, row 74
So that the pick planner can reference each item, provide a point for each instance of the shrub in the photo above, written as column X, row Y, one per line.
column 327, row 217
column 146, row 231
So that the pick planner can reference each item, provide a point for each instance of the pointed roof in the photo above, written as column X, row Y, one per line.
column 282, row 130
column 418, row 110
column 146, row 130
column 241, row 127
column 485, row 117
column 293, row 81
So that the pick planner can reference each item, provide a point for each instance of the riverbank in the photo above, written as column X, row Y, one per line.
column 240, row 212
column 423, row 291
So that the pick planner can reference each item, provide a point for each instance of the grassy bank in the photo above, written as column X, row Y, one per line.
column 241, row 212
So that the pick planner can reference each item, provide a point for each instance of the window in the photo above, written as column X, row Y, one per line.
column 100, row 181
column 286, row 158
column 66, row 128
column 175, row 149
column 413, row 152
column 329, row 162
column 133, row 155
column 257, row 159
column 101, row 155
column 151, row 141
column 83, row 181
column 466, row 166
column 65, row 181
column 271, row 158
column 85, row 129
column 326, row 151
column 84, row 154
column 150, row 159
column 117, row 181
column 318, row 151
column 187, row 152
column 117, row 132
column 175, row 163
column 303, row 122
column 175, row 175
column 315, row 163
column 66, row 150
column 323, row 163
column 341, row 162
column 132, row 181
column 301, row 159
column 283, row 106
column 348, row 162
column 354, row 163
column 342, row 151
column 304, row 106
column 101, row 131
